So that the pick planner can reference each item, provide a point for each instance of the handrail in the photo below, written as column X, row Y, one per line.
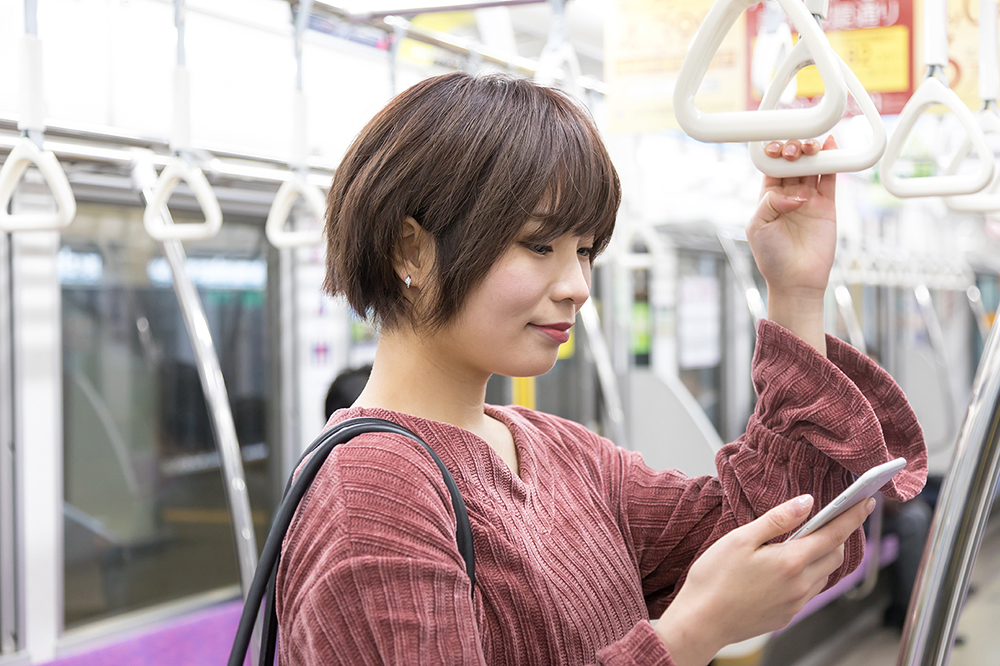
column 934, row 91
column 29, row 150
column 956, row 532
column 975, row 298
column 826, row 161
column 605, row 372
column 161, row 227
column 935, row 335
column 765, row 125
column 744, row 275
column 212, row 381
column 845, row 305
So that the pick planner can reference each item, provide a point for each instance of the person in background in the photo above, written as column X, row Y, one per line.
column 346, row 388
column 465, row 219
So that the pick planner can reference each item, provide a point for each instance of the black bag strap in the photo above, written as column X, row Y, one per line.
column 265, row 576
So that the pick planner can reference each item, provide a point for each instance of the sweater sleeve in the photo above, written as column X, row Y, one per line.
column 817, row 422
column 370, row 572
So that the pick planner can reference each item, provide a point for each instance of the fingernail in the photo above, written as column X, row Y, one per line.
column 773, row 148
column 803, row 502
column 790, row 151
column 870, row 506
column 800, row 199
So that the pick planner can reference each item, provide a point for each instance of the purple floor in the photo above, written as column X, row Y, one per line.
column 199, row 639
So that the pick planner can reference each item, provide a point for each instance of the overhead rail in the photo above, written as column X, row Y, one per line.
column 29, row 150
column 297, row 185
column 934, row 90
column 761, row 125
column 987, row 200
column 956, row 532
column 457, row 45
column 826, row 161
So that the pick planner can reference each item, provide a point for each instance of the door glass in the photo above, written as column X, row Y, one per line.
column 146, row 517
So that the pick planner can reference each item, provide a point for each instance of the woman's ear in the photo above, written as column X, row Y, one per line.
column 416, row 254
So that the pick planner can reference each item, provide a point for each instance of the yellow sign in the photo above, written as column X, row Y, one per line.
column 567, row 348
column 880, row 57
column 645, row 44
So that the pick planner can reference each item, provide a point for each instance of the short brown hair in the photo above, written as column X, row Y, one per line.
column 472, row 159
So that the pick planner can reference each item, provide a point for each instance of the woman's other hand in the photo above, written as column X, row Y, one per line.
column 742, row 586
column 793, row 236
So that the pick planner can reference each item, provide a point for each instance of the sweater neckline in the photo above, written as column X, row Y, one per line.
column 473, row 450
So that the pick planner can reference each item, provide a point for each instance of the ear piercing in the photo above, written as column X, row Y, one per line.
column 407, row 281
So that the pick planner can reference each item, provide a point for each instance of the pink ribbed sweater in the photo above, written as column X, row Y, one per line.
column 575, row 556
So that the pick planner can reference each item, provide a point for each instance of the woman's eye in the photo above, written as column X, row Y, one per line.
column 586, row 252
column 538, row 249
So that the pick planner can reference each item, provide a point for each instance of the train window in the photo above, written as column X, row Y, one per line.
column 146, row 517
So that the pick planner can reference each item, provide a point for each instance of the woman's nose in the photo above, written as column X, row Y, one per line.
column 574, row 282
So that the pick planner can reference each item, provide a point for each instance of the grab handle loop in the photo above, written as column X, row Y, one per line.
column 931, row 92
column 24, row 154
column 986, row 200
column 289, row 191
column 177, row 170
column 766, row 125
column 826, row 161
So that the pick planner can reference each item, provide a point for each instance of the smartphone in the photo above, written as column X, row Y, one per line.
column 866, row 486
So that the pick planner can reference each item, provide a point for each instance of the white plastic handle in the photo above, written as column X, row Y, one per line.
column 931, row 92
column 24, row 154
column 739, row 126
column 289, row 191
column 987, row 200
column 826, row 161
column 769, row 50
column 176, row 171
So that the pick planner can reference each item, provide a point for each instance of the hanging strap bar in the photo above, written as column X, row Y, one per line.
column 761, row 125
column 297, row 184
column 161, row 227
column 826, row 161
column 934, row 90
column 956, row 532
column 28, row 151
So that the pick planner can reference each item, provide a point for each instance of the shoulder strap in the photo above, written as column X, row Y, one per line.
column 265, row 576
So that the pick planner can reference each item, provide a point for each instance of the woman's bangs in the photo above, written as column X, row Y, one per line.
column 583, row 192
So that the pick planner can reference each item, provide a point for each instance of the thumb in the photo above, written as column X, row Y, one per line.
column 781, row 519
column 773, row 205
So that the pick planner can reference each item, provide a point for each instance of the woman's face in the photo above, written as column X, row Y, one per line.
column 514, row 321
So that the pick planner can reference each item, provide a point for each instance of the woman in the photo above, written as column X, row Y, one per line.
column 465, row 218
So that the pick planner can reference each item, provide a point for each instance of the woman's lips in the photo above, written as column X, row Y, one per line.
column 558, row 332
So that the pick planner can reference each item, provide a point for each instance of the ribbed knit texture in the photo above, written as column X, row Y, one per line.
column 574, row 556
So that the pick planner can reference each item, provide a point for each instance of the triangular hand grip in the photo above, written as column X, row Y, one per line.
column 289, row 191
column 931, row 92
column 826, row 161
column 24, row 154
column 765, row 125
column 176, row 171
column 988, row 199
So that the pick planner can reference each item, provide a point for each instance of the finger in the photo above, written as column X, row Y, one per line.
column 773, row 205
column 838, row 530
column 827, row 564
column 792, row 150
column 779, row 520
column 810, row 147
column 773, row 149
column 827, row 186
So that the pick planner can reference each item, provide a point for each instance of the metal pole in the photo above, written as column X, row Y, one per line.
column 8, row 563
column 959, row 522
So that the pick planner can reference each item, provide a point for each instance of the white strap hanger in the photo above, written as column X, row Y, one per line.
column 29, row 149
column 179, row 168
column 770, row 49
column 935, row 91
column 826, row 161
column 558, row 60
column 760, row 125
column 988, row 199
column 297, row 184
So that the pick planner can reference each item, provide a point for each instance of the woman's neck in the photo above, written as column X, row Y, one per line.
column 413, row 377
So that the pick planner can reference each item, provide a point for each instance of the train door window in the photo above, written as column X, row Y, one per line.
column 700, row 330
column 146, row 517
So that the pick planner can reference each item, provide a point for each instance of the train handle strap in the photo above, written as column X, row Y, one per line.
column 178, row 170
column 932, row 92
column 24, row 154
column 826, row 161
column 289, row 191
column 986, row 200
column 296, row 488
column 765, row 125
